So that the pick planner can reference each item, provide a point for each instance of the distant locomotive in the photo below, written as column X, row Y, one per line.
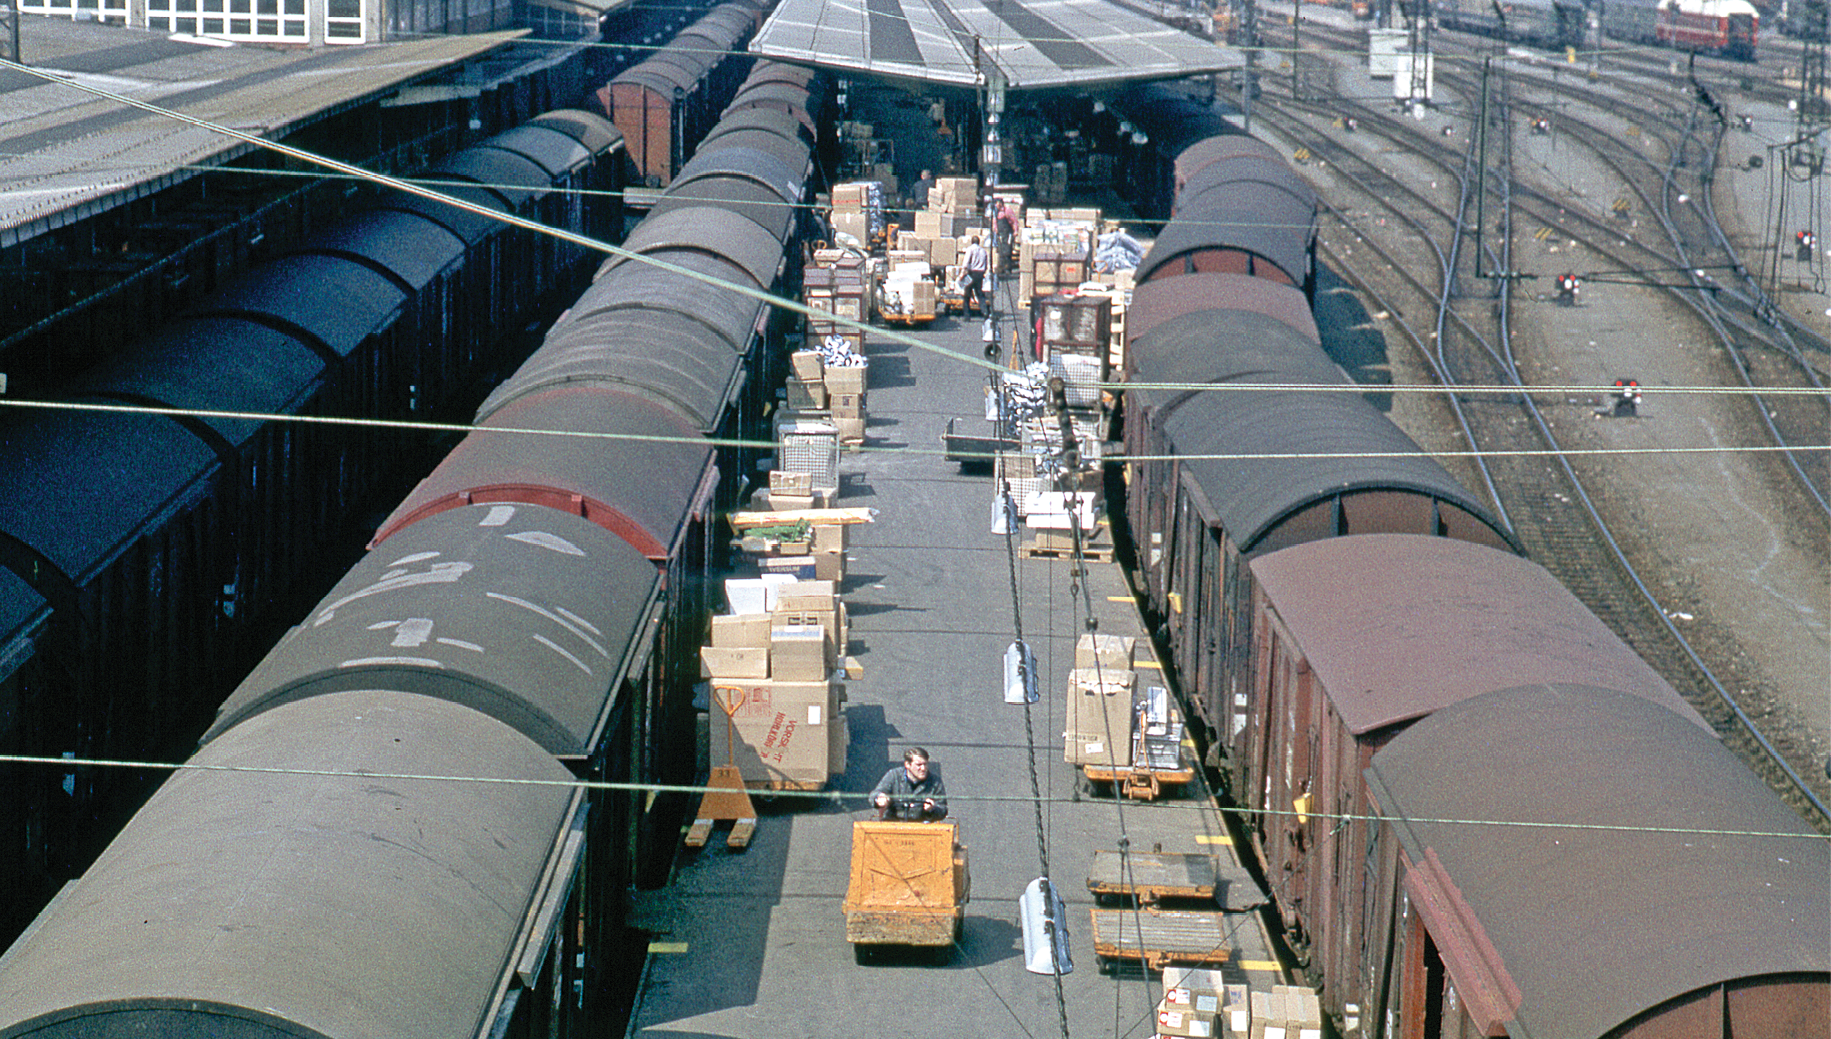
column 1725, row 27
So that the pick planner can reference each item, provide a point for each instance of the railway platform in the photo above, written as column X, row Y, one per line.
column 753, row 943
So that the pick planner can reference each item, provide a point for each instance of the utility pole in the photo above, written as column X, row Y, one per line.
column 9, row 31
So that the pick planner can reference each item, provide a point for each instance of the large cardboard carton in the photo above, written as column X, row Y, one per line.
column 780, row 728
column 1097, row 726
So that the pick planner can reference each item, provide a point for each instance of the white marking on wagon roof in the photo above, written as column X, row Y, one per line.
column 543, row 640
column 555, row 618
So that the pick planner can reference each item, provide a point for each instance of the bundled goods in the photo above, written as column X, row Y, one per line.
column 1117, row 251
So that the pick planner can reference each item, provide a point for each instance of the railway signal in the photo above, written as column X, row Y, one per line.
column 1627, row 398
column 1568, row 284
column 1807, row 242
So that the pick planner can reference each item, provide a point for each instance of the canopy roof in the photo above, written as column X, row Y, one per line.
column 1031, row 44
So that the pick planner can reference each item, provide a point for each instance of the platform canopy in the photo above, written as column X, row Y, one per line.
column 1030, row 44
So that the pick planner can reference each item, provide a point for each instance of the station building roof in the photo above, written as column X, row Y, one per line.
column 66, row 154
column 1031, row 44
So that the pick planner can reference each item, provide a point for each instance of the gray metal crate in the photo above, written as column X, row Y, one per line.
column 813, row 448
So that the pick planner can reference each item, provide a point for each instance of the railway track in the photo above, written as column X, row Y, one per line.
column 1455, row 295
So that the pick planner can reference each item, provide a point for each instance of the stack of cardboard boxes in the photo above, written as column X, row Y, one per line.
column 776, row 668
column 840, row 286
column 845, row 385
column 945, row 223
column 858, row 210
column 822, row 391
column 806, row 550
column 1198, row 1003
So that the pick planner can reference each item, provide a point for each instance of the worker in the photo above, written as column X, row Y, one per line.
column 918, row 195
column 910, row 791
column 977, row 264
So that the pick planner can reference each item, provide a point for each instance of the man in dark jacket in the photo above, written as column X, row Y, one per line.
column 910, row 792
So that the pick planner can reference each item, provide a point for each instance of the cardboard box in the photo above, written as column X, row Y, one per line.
column 800, row 653
column 1236, row 1009
column 1202, row 991
column 734, row 661
column 807, row 595
column 829, row 537
column 839, row 739
column 928, row 223
column 943, row 252
column 780, row 729
column 1097, row 727
column 731, row 631
column 1108, row 652
column 781, row 481
column 855, row 224
column 846, row 405
column 845, row 380
column 806, row 363
column 1182, row 1021
column 829, row 566
column 851, row 430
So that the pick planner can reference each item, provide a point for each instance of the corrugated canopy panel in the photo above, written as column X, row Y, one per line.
column 64, row 154
column 1395, row 629
column 530, row 617
column 1618, row 894
column 320, row 901
column 1032, row 44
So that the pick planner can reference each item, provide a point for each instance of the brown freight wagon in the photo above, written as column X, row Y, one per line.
column 1199, row 520
column 1355, row 638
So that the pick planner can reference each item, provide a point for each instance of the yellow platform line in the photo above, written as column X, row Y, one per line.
column 1214, row 838
column 660, row 948
column 1118, row 598
column 1148, row 663
column 1260, row 965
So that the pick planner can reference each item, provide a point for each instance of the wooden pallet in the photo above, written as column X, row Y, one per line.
column 1151, row 877
column 1156, row 938
column 1091, row 553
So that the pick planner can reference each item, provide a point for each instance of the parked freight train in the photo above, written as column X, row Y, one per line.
column 1555, row 24
column 141, row 556
column 1478, row 810
column 1725, row 27
column 414, row 854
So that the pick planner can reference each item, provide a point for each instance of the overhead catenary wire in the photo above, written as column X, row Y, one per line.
column 852, row 798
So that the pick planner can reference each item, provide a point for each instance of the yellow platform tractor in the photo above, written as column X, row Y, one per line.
column 909, row 886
